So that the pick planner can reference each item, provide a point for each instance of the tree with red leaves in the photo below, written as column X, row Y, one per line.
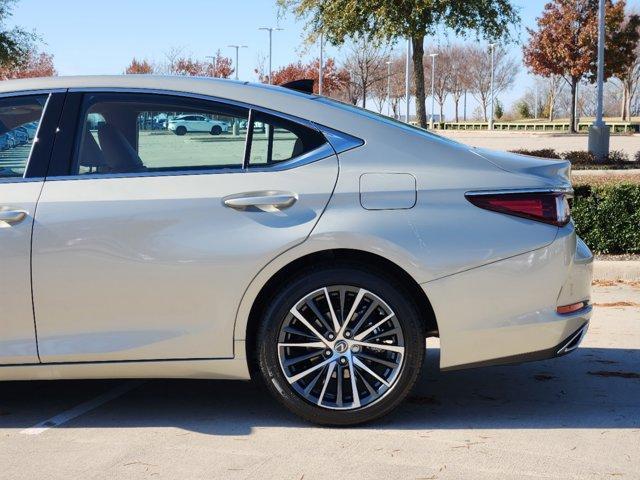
column 219, row 67
column 334, row 79
column 566, row 42
column 139, row 67
column 35, row 65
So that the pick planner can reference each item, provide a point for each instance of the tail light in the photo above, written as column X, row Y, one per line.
column 547, row 207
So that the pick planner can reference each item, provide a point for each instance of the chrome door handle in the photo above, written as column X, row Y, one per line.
column 270, row 198
column 12, row 216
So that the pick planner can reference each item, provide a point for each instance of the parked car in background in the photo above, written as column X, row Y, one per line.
column 21, row 135
column 317, row 256
column 31, row 128
column 183, row 124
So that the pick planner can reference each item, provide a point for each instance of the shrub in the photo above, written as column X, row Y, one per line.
column 579, row 157
column 607, row 217
column 542, row 153
column 637, row 157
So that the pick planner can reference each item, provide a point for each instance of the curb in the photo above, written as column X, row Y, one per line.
column 614, row 270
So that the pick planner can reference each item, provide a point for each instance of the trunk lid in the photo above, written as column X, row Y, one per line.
column 556, row 172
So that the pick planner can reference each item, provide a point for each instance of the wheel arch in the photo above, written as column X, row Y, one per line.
column 336, row 256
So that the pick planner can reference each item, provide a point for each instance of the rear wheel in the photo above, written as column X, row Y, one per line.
column 341, row 346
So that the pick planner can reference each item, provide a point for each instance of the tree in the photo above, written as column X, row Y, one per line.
column 333, row 78
column 16, row 45
column 139, row 67
column 459, row 81
column 35, row 65
column 499, row 112
column 523, row 110
column 566, row 40
column 179, row 64
column 479, row 70
column 400, row 19
column 629, row 74
column 443, row 75
column 366, row 63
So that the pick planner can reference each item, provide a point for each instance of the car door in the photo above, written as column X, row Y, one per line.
column 144, row 244
column 22, row 169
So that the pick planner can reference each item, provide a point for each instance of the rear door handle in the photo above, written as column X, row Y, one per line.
column 269, row 198
column 12, row 216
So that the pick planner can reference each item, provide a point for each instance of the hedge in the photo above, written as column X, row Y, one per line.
column 607, row 217
column 584, row 160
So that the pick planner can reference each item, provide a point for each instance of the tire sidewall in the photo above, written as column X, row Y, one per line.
column 397, row 299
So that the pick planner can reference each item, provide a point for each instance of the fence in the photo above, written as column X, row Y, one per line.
column 616, row 127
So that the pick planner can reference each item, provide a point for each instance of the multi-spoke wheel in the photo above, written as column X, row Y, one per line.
column 341, row 346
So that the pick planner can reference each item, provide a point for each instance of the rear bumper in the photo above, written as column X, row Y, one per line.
column 566, row 346
column 505, row 312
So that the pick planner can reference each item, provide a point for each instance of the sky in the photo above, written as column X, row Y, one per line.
column 101, row 37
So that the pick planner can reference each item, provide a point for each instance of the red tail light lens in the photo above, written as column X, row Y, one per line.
column 547, row 207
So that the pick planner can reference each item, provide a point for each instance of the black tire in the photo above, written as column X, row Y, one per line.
column 386, row 288
column 181, row 130
column 216, row 130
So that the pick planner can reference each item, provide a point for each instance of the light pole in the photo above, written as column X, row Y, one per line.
column 433, row 87
column 237, row 47
column 388, row 88
column 406, row 80
column 492, row 47
column 321, row 66
column 535, row 106
column 214, row 63
column 270, row 30
column 599, row 131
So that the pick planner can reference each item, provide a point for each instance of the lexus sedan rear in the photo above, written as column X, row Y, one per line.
column 315, row 245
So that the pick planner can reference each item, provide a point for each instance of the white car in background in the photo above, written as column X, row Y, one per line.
column 184, row 124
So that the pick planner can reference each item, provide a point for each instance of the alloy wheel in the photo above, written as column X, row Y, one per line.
column 341, row 347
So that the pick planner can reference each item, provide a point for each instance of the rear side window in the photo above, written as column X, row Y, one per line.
column 275, row 140
column 136, row 133
column 19, row 121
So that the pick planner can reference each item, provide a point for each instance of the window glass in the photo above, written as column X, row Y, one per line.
column 135, row 133
column 277, row 140
column 19, row 121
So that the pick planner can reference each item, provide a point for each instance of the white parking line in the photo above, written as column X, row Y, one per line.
column 81, row 409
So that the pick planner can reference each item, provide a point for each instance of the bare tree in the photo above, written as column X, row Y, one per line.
column 443, row 74
column 459, row 81
column 479, row 68
column 630, row 81
column 365, row 62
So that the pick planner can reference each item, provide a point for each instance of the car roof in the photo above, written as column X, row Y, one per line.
column 275, row 98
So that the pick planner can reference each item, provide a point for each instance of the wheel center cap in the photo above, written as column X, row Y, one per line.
column 341, row 346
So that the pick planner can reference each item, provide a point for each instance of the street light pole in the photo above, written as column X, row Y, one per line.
column 237, row 47
column 214, row 63
column 535, row 106
column 492, row 47
column 433, row 87
column 388, row 88
column 270, row 30
column 599, row 131
column 406, row 80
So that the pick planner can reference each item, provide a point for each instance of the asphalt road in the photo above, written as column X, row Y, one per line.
column 572, row 417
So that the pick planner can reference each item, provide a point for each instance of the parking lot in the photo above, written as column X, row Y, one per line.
column 572, row 417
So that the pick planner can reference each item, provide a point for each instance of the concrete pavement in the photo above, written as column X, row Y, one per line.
column 573, row 417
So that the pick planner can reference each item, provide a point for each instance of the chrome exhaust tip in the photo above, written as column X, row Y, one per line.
column 574, row 340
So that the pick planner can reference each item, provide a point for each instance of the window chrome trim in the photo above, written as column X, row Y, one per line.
column 320, row 153
column 20, row 179
column 19, row 93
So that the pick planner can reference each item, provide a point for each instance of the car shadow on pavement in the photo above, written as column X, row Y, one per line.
column 591, row 388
